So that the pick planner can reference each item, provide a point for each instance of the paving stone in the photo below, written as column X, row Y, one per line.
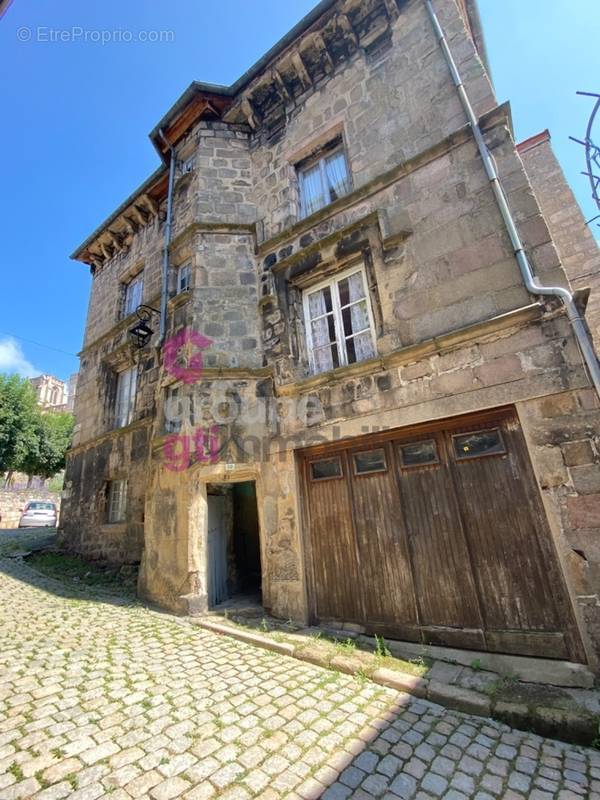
column 389, row 765
column 376, row 785
column 143, row 706
column 519, row 782
column 443, row 766
column 352, row 777
column 404, row 786
column 462, row 782
column 172, row 787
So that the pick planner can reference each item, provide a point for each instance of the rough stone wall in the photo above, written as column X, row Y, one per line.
column 562, row 431
column 456, row 330
column 377, row 103
column 222, row 302
column 106, row 297
column 84, row 523
column 574, row 241
column 453, row 266
column 12, row 503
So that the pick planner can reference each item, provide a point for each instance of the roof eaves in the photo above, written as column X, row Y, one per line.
column 232, row 90
column 110, row 219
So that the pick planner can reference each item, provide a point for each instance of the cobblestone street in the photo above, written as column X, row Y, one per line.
column 102, row 697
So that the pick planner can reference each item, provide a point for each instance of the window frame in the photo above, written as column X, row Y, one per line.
column 327, row 151
column 357, row 473
column 187, row 265
column 135, row 281
column 337, row 316
column 436, row 447
column 459, row 459
column 121, row 503
column 120, row 419
column 316, row 460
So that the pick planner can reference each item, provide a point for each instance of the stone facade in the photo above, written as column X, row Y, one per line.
column 456, row 331
column 573, row 239
column 51, row 392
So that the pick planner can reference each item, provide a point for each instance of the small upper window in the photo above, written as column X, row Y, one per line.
column 369, row 461
column 184, row 277
column 133, row 294
column 339, row 326
column 480, row 443
column 325, row 469
column 418, row 454
column 173, row 410
column 323, row 180
column 125, row 397
column 117, row 501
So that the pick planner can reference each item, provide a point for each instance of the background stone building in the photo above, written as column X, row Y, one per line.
column 350, row 401
column 51, row 392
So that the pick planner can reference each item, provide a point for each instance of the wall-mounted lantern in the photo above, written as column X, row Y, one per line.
column 141, row 333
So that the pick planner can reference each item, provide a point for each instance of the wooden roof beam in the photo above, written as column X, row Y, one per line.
column 279, row 82
column 300, row 67
column 346, row 26
column 319, row 42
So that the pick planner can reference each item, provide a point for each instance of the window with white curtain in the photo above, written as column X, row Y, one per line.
column 184, row 277
column 125, row 397
column 133, row 294
column 117, row 501
column 339, row 321
column 323, row 180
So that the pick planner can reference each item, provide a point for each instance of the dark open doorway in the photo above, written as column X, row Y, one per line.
column 234, row 568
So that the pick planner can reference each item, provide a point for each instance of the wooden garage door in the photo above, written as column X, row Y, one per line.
column 437, row 534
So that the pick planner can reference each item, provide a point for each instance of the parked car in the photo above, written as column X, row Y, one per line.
column 38, row 514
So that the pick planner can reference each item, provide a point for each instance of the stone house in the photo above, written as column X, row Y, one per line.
column 341, row 396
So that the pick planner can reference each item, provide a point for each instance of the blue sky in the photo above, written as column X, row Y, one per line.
column 76, row 115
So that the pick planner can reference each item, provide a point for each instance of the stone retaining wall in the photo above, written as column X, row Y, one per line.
column 12, row 502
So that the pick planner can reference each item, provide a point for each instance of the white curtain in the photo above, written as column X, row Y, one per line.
column 363, row 346
column 337, row 175
column 126, row 385
column 356, row 286
column 313, row 197
column 316, row 304
column 359, row 317
column 319, row 329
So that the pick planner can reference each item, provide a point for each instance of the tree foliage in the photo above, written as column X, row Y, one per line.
column 18, row 416
column 31, row 440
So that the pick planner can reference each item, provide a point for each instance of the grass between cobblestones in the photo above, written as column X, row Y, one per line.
column 70, row 568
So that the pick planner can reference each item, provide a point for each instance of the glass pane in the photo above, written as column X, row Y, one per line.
column 418, row 453
column 351, row 289
column 359, row 348
column 337, row 175
column 369, row 461
column 328, row 468
column 480, row 443
column 355, row 318
column 184, row 278
column 133, row 296
column 319, row 303
column 326, row 358
column 311, row 190
column 322, row 331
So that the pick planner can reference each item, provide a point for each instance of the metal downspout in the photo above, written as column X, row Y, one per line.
column 577, row 323
column 164, row 292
